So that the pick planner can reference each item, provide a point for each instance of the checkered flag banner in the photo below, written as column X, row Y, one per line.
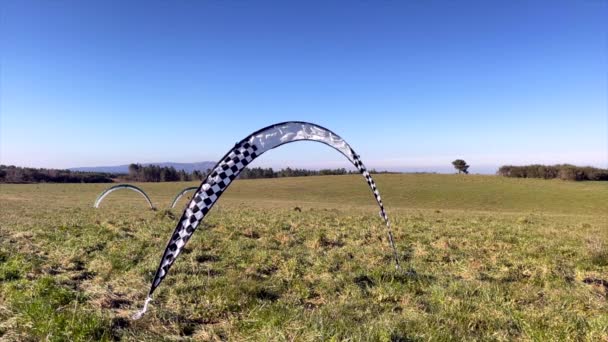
column 229, row 167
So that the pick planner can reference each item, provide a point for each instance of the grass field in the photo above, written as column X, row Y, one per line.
column 494, row 259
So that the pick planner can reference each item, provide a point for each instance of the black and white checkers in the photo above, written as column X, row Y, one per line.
column 205, row 197
column 228, row 169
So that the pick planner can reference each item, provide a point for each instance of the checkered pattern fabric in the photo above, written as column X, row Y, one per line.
column 205, row 197
column 370, row 181
column 229, row 168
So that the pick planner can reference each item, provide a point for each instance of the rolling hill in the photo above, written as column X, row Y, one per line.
column 188, row 167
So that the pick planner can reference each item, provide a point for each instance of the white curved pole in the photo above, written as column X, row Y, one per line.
column 108, row 191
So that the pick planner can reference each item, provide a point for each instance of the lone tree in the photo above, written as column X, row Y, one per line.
column 461, row 166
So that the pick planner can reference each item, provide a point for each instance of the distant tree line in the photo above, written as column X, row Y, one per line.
column 155, row 173
column 562, row 171
column 258, row 172
column 16, row 174
column 149, row 173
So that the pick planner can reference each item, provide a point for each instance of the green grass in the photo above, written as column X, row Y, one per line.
column 495, row 259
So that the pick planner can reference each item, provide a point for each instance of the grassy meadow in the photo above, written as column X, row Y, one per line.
column 304, row 259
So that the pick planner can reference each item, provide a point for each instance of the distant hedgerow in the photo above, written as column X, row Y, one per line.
column 16, row 174
column 561, row 171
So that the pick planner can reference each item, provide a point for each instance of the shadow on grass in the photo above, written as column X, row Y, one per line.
column 409, row 276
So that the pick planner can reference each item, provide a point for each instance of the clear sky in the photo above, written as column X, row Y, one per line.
column 411, row 85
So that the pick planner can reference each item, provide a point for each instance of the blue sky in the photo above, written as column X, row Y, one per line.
column 411, row 85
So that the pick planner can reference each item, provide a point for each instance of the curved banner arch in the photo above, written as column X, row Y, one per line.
column 109, row 190
column 229, row 167
column 182, row 193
